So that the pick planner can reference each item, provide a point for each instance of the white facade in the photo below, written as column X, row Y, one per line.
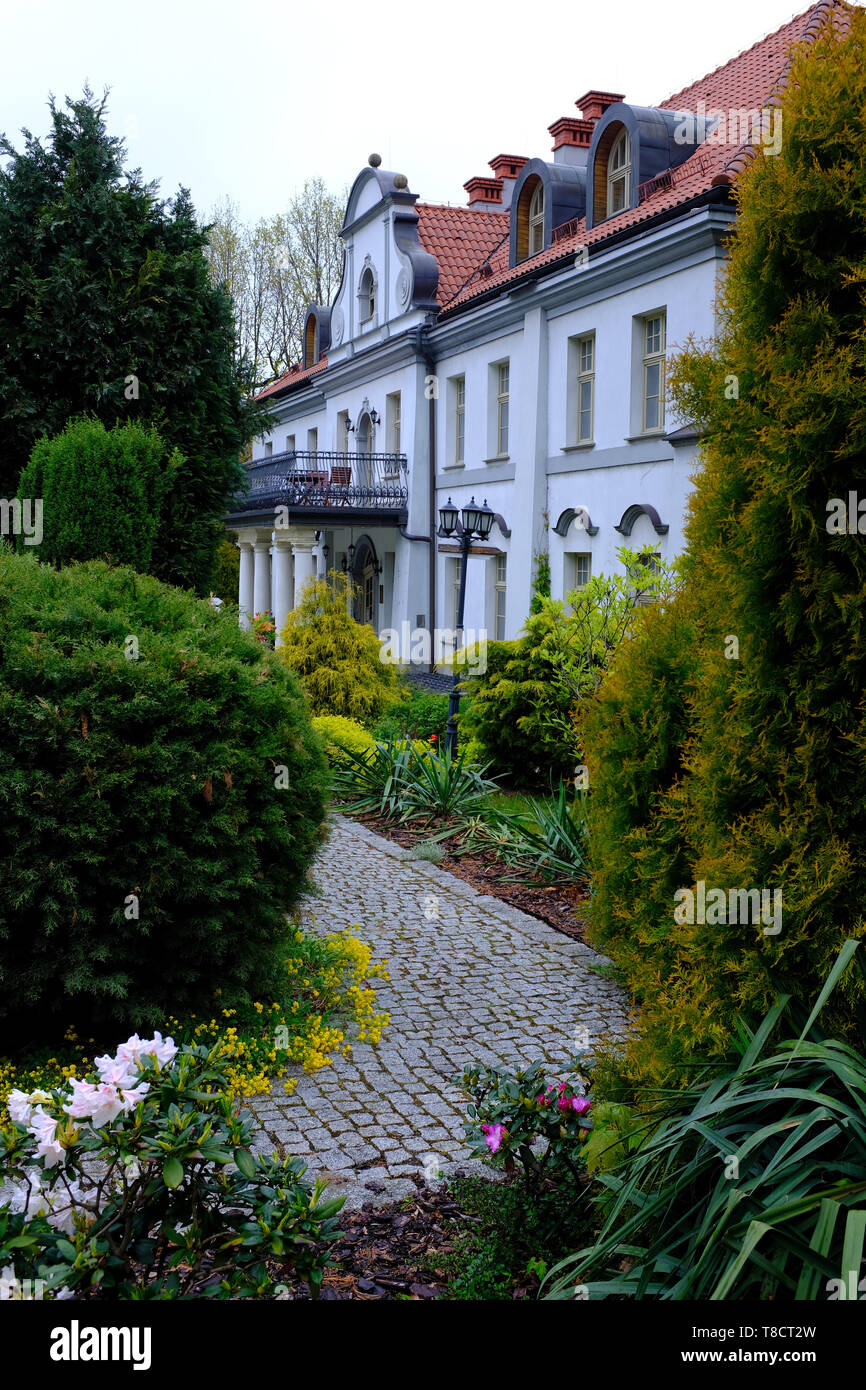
column 576, row 484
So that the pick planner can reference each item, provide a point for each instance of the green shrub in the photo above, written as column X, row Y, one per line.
column 633, row 734
column 146, row 1188
column 225, row 579
column 335, row 658
column 102, row 492
column 161, row 794
column 417, row 714
column 753, row 727
column 749, row 1184
column 515, row 714
column 341, row 735
column 509, row 1112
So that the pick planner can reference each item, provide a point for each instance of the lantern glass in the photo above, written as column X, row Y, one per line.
column 448, row 518
column 485, row 521
column 471, row 515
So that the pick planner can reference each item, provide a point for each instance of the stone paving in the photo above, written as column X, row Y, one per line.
column 472, row 980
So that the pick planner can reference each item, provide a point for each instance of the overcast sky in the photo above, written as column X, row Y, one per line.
column 251, row 100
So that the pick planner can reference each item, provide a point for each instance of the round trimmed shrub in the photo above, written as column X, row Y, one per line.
column 161, row 794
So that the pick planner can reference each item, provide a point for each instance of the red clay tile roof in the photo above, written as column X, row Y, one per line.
column 291, row 377
column 460, row 239
column 750, row 80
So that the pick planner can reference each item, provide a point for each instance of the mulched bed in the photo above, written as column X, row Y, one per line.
column 560, row 905
column 391, row 1251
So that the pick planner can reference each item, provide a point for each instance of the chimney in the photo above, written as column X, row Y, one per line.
column 506, row 167
column 484, row 194
column 571, row 140
column 592, row 105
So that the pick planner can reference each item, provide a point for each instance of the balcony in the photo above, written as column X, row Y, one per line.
column 327, row 488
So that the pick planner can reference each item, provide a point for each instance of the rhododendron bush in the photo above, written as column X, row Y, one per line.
column 510, row 1113
column 138, row 1182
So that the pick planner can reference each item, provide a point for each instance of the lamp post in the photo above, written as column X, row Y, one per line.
column 475, row 521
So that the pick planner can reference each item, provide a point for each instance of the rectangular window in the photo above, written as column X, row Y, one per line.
column 312, row 441
column 502, row 398
column 459, row 419
column 342, row 431
column 578, row 568
column 392, row 417
column 269, row 449
column 585, row 388
column 290, row 443
column 453, row 597
column 499, row 599
column 654, row 372
column 651, row 561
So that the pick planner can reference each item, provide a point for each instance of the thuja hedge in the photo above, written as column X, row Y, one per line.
column 161, row 794
column 102, row 491
column 727, row 745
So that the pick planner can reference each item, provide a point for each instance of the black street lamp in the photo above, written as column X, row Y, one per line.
column 476, row 521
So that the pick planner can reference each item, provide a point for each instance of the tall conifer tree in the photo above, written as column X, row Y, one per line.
column 107, row 307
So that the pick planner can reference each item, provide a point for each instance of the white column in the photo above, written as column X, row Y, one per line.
column 282, row 554
column 261, row 578
column 305, row 567
column 245, row 583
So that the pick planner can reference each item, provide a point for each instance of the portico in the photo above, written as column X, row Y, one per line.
column 275, row 565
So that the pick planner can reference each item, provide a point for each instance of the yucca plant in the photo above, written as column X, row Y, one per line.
column 551, row 842
column 438, row 786
column 373, row 781
column 749, row 1184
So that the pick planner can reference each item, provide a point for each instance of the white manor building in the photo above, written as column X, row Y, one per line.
column 512, row 351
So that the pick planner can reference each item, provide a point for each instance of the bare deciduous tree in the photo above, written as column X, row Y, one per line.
column 274, row 268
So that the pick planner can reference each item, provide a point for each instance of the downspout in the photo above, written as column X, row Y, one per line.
column 430, row 365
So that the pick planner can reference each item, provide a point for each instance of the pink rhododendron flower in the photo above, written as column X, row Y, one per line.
column 580, row 1104
column 493, row 1136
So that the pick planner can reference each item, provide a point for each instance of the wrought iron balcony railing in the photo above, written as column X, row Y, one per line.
column 320, row 481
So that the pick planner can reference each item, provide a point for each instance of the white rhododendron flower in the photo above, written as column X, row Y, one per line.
column 57, row 1204
column 102, row 1104
column 135, row 1048
column 20, row 1105
column 44, row 1130
column 115, row 1073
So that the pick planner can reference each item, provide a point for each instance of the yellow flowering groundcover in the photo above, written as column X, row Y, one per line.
column 328, row 998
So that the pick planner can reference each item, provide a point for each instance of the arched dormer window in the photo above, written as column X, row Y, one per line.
column 530, row 219
column 311, row 341
column 618, row 174
column 367, row 296
column 536, row 220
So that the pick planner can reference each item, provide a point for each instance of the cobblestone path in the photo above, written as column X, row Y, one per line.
column 472, row 980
